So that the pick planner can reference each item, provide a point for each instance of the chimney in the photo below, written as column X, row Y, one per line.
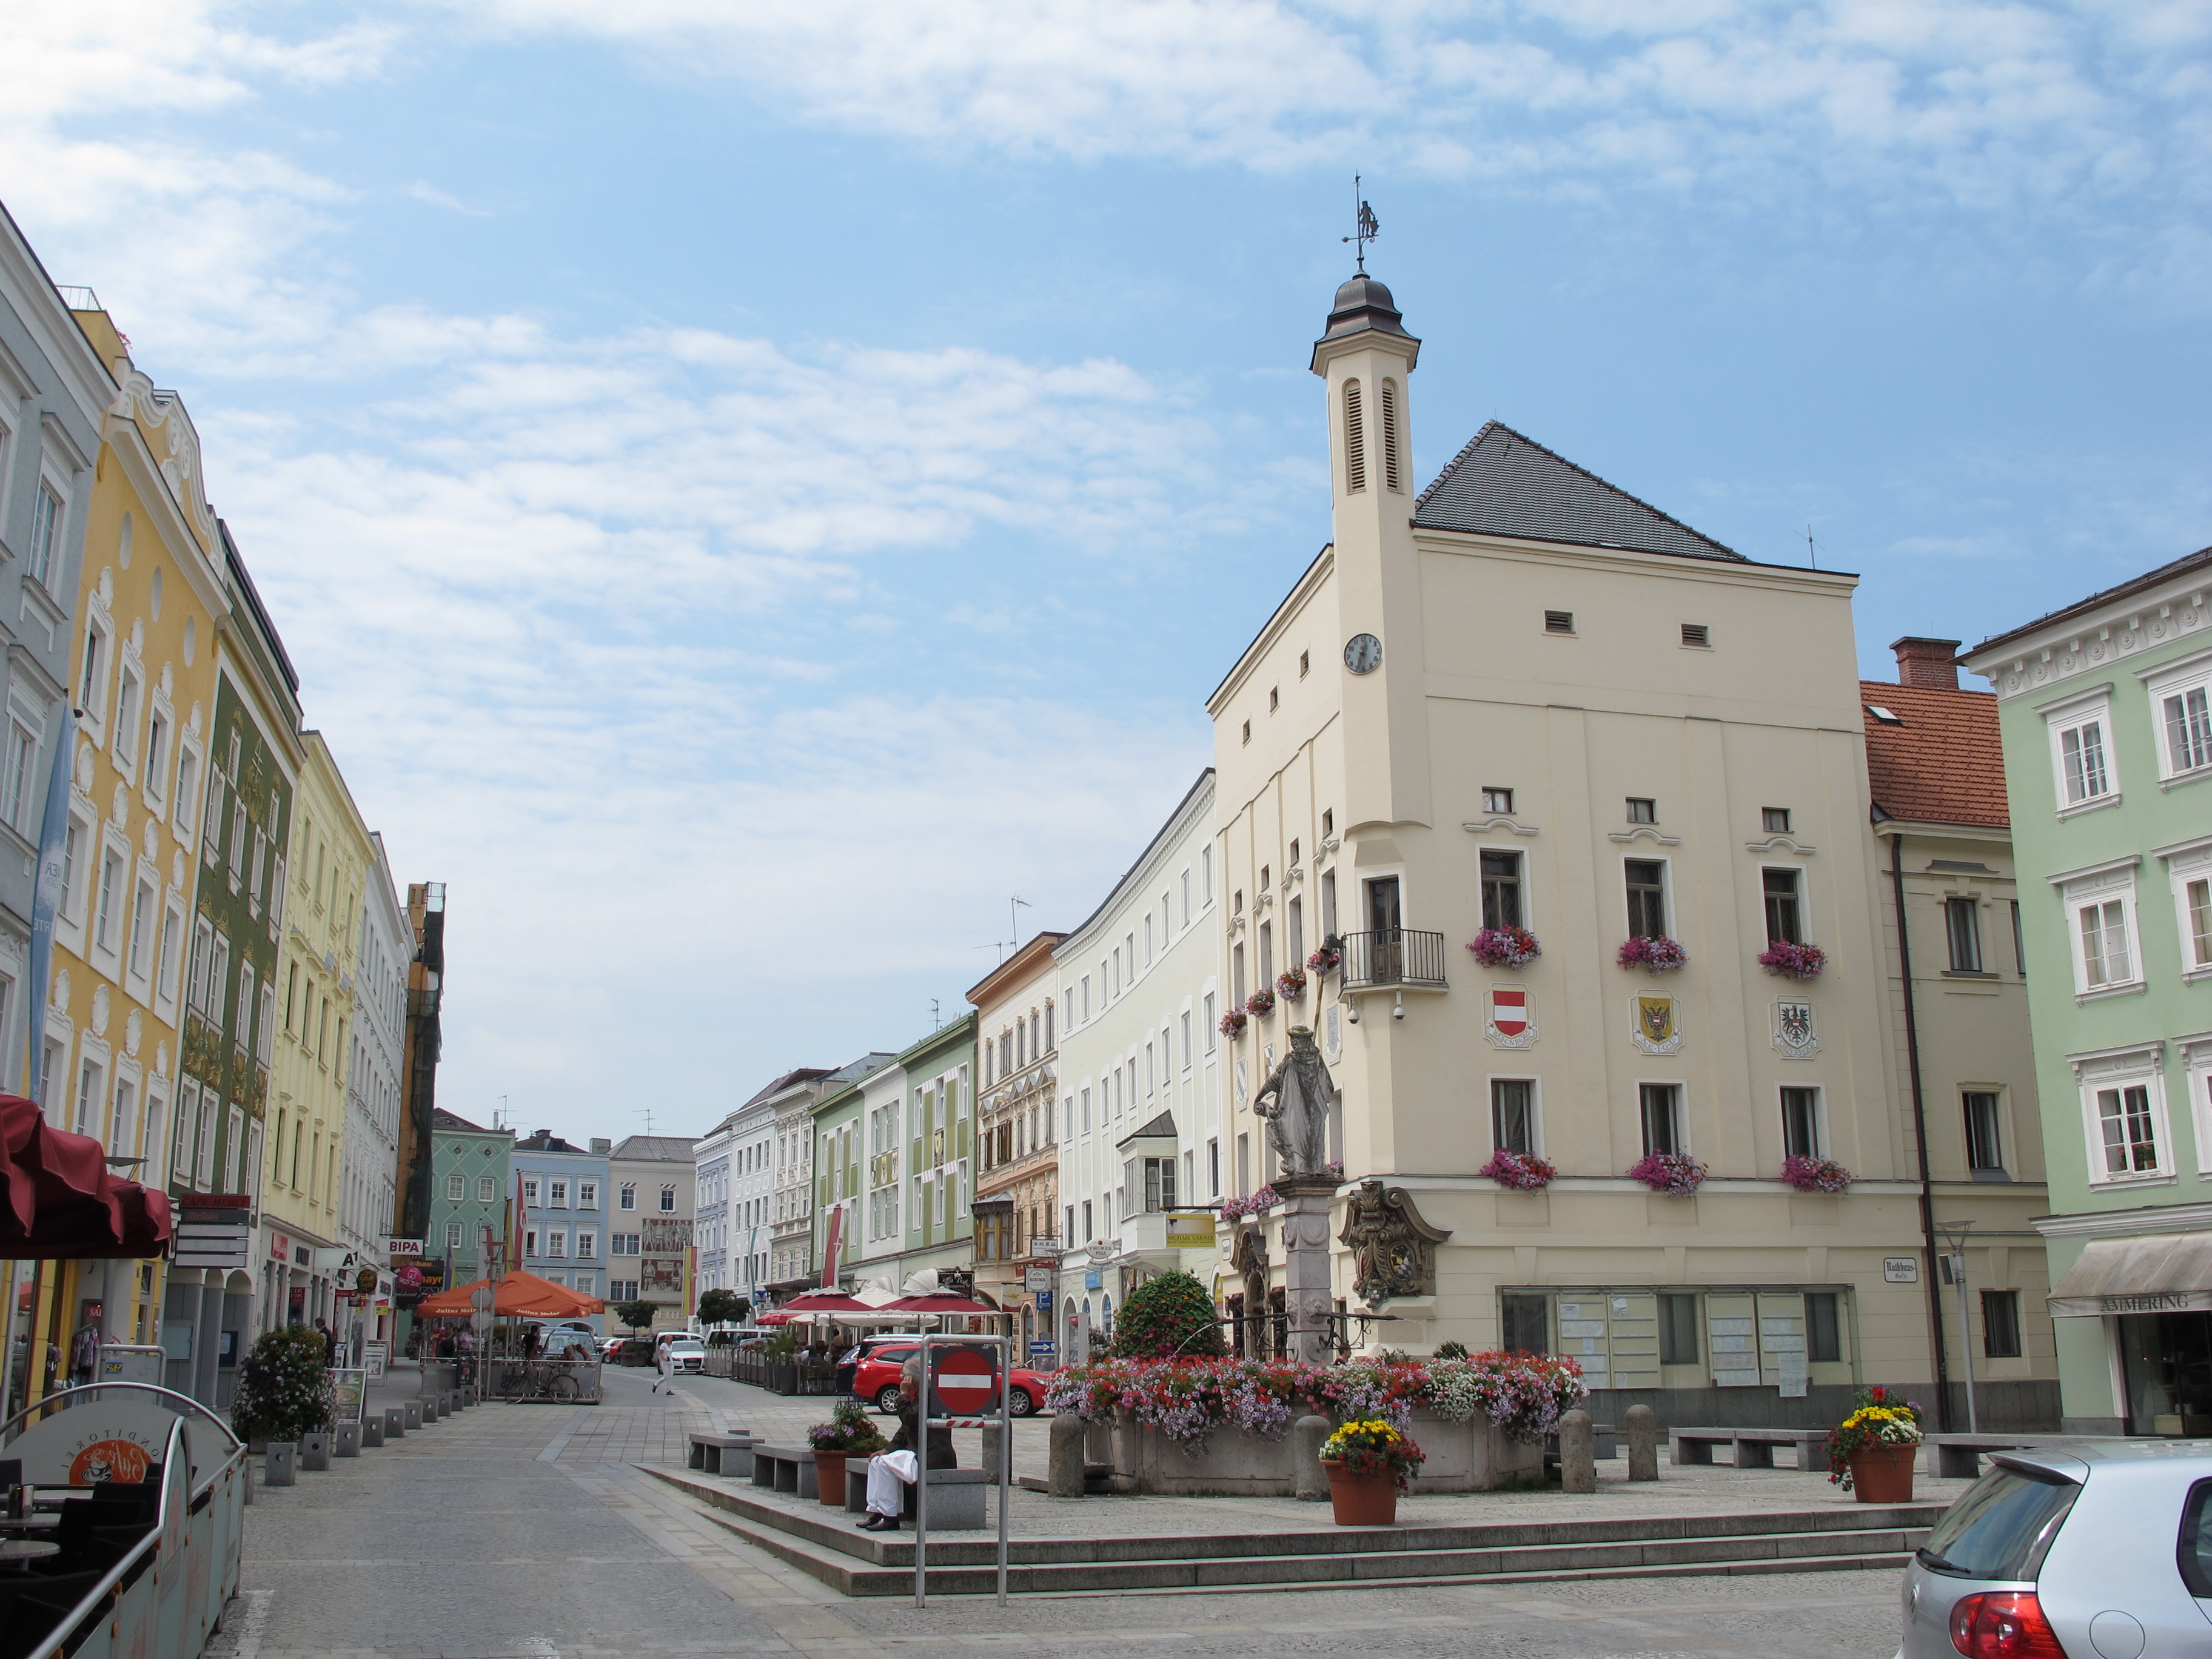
column 601, row 1143
column 1932, row 665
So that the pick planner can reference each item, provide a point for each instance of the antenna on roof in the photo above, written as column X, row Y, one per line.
column 1366, row 226
column 935, row 1018
column 1810, row 555
column 645, row 1112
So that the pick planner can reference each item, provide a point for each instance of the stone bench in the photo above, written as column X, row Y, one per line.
column 1754, row 1449
column 786, row 1468
column 1959, row 1457
column 956, row 1496
column 722, row 1454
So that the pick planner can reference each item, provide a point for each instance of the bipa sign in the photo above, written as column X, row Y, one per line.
column 399, row 1248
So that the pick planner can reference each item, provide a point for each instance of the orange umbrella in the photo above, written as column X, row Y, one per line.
column 519, row 1294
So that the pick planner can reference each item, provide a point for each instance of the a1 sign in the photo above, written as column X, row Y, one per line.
column 966, row 1383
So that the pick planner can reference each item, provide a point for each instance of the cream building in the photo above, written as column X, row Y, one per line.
column 1524, row 696
column 1017, row 1141
column 1139, row 1060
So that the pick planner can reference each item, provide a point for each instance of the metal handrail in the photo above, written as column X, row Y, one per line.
column 1393, row 956
column 67, row 1397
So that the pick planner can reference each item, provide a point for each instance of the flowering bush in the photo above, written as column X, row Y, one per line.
column 1259, row 1002
column 283, row 1390
column 1676, row 1173
column 1325, row 959
column 1793, row 961
column 1655, row 955
column 1524, row 1172
column 1168, row 1316
column 1815, row 1175
column 1234, row 1209
column 1879, row 1420
column 1374, row 1447
column 1505, row 947
column 1291, row 983
column 1232, row 1023
column 850, row 1430
column 1191, row 1399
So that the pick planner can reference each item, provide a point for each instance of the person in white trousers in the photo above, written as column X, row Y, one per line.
column 890, row 1474
column 666, row 1362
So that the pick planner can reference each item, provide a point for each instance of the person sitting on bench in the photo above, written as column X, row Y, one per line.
column 890, row 1474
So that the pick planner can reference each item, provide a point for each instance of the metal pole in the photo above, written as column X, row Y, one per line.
column 1006, row 1455
column 921, row 1483
column 1955, row 1234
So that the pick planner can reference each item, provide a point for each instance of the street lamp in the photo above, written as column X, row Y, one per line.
column 1955, row 1234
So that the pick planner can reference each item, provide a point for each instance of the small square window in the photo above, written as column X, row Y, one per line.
column 1776, row 818
column 1558, row 621
column 1497, row 801
column 1696, row 634
column 1641, row 810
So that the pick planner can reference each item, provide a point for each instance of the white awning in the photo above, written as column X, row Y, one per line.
column 2162, row 1273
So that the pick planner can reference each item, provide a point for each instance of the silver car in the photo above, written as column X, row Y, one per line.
column 2077, row 1549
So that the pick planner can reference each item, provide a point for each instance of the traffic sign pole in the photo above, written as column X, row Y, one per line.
column 971, row 1382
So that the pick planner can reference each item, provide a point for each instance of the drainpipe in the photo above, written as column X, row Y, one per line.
column 1920, row 1142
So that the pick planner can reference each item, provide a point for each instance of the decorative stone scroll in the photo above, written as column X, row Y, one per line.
column 1394, row 1251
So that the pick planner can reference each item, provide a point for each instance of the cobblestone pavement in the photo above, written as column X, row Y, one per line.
column 525, row 1532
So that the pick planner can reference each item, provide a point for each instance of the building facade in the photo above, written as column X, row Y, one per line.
column 470, row 1183
column 1524, row 708
column 418, row 1075
column 1141, row 1053
column 1018, row 1143
column 562, row 1210
column 940, row 1122
column 841, row 1178
column 369, row 1168
column 872, row 1257
column 652, row 1227
column 2106, row 713
column 711, row 1208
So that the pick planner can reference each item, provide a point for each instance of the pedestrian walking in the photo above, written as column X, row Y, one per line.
column 666, row 1362
column 84, row 1347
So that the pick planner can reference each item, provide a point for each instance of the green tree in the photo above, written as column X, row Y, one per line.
column 723, row 1307
column 283, row 1389
column 638, row 1316
column 1169, row 1317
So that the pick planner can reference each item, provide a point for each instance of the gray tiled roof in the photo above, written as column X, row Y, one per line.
column 1504, row 484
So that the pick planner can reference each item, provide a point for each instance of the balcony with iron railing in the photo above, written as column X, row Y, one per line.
column 1393, row 958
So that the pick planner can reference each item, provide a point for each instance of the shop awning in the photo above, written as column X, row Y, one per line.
column 2159, row 1272
column 60, row 1201
column 941, row 1301
column 520, row 1295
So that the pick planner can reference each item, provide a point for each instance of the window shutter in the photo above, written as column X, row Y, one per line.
column 1355, row 440
column 1390, row 434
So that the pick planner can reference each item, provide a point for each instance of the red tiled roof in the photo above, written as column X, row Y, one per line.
column 1942, row 763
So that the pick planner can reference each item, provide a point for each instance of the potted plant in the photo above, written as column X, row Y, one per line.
column 1505, row 947
column 1656, row 954
column 1873, row 1450
column 1369, row 1463
column 1793, row 961
column 1291, row 983
column 1815, row 1175
column 1233, row 1023
column 850, row 1432
column 1677, row 1175
column 1324, row 960
column 283, row 1389
column 1524, row 1172
column 1261, row 1001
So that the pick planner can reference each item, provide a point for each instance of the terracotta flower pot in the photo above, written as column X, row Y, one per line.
column 829, row 1475
column 1361, row 1500
column 1883, row 1475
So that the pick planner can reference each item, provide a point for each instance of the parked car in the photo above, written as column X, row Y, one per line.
column 611, row 1350
column 686, row 1352
column 563, row 1343
column 876, row 1376
column 2071, row 1549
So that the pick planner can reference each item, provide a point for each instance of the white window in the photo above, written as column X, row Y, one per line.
column 530, row 1241
column 2101, row 919
column 107, row 916
column 233, row 1147
column 2124, row 1108
column 587, row 1195
column 85, row 1120
column 453, row 1234
column 188, row 778
column 128, row 702
column 157, row 1146
column 144, row 919
column 487, row 1190
column 18, row 770
column 457, row 1187
column 556, row 1242
column 668, row 1200
column 529, row 1191
column 46, row 514
column 2181, row 708
column 587, row 1244
column 92, row 682
column 157, row 760
column 2081, row 753
column 558, row 1199
column 172, row 952
column 2106, row 958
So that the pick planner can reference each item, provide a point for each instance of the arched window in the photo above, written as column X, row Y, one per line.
column 1355, row 440
column 1390, row 435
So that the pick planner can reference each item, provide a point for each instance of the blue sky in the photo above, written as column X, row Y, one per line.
column 750, row 487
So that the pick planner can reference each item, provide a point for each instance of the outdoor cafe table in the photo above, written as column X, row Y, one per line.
column 27, row 1549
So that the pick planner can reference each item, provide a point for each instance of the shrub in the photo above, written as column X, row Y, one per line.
column 850, row 1430
column 723, row 1307
column 1168, row 1317
column 638, row 1316
column 283, row 1388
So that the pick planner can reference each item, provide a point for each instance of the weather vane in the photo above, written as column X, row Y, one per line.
column 1368, row 225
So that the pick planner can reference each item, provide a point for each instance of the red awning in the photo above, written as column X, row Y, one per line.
column 823, row 1301
column 778, row 1317
column 77, row 1209
column 940, row 1302
column 520, row 1295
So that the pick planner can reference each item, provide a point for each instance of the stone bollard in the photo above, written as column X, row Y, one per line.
column 1307, row 1435
column 410, row 1413
column 1068, row 1437
column 395, row 1423
column 282, row 1459
column 1577, row 1453
column 1128, row 1452
column 315, row 1450
column 988, row 1462
column 447, row 1400
column 1643, row 1443
column 371, row 1430
column 345, row 1440
column 430, row 1412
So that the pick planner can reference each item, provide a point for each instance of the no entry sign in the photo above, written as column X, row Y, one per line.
column 967, row 1381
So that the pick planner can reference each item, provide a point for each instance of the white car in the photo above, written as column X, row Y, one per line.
column 686, row 1353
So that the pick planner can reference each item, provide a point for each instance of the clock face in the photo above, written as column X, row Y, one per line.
column 1363, row 654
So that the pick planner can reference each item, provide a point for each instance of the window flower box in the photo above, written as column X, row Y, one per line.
column 1793, row 961
column 1505, row 947
column 1524, row 1172
column 1233, row 1023
column 1261, row 1002
column 1291, row 984
column 1677, row 1175
column 1815, row 1175
column 1236, row 1209
column 1326, row 959
column 1654, row 955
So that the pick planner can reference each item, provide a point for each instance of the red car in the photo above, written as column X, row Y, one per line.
column 876, row 1378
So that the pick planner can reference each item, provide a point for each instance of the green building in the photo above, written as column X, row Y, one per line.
column 838, row 1158
column 2105, row 708
column 469, row 1190
column 940, row 1114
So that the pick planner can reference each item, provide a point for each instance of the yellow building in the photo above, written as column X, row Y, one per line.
column 330, row 860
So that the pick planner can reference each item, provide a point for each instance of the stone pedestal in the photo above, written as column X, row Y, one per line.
column 1307, row 1436
column 1308, row 1294
column 1577, row 1453
column 282, row 1459
column 315, row 1449
column 410, row 1413
column 1642, row 1425
column 345, row 1440
column 395, row 1423
column 1066, row 1438
column 371, row 1430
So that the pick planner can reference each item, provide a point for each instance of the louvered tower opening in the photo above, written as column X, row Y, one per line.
column 1390, row 435
column 1355, row 440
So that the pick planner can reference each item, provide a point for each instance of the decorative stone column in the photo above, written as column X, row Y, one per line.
column 1308, row 1292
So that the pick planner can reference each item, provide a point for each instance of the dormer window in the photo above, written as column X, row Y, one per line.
column 1355, row 440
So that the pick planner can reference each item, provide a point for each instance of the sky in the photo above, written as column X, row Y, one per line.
column 751, row 488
